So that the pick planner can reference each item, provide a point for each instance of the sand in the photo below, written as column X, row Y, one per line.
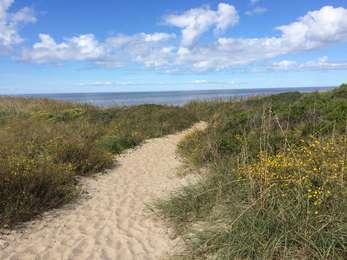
column 112, row 221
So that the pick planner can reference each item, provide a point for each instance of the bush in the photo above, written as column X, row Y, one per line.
column 117, row 143
column 30, row 186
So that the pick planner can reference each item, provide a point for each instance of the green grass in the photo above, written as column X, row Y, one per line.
column 45, row 145
column 276, row 187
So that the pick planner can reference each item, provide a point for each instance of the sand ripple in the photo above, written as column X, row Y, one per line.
column 112, row 223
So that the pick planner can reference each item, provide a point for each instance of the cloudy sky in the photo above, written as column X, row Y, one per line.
column 156, row 45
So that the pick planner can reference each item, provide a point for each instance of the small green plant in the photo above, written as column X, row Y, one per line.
column 117, row 143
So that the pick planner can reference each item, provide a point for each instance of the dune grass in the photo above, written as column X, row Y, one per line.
column 45, row 145
column 276, row 181
column 276, row 187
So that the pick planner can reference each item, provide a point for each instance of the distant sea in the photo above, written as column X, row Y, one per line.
column 168, row 97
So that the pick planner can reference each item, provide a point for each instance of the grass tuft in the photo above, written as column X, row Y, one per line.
column 276, row 187
column 45, row 145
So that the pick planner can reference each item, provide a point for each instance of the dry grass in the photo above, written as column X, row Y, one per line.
column 45, row 144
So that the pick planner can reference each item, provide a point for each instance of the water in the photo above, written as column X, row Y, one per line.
column 165, row 98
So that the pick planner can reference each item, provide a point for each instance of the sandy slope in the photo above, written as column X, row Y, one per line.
column 112, row 223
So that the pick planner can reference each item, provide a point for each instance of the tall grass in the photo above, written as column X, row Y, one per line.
column 45, row 145
column 276, row 187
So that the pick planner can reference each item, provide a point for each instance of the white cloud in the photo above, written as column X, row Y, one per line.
column 10, row 23
column 197, row 21
column 158, row 37
column 151, row 50
column 115, row 51
column 82, row 47
column 200, row 81
column 96, row 83
column 284, row 65
column 161, row 51
column 256, row 11
column 314, row 30
column 322, row 63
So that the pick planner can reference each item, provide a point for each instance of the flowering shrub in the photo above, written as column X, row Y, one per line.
column 276, row 186
column 29, row 186
column 317, row 168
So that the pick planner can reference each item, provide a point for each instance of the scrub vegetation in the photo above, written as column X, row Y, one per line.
column 45, row 145
column 274, row 188
column 276, row 181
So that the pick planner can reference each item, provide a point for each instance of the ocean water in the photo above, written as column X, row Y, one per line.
column 166, row 98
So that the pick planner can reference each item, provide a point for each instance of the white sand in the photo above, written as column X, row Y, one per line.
column 113, row 222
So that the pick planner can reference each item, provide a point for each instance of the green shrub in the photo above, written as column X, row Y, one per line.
column 116, row 143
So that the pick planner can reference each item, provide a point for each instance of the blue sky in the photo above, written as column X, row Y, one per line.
column 96, row 46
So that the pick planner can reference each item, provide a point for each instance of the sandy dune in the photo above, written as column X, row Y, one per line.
column 112, row 223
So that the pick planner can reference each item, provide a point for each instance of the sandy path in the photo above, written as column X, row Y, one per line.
column 112, row 223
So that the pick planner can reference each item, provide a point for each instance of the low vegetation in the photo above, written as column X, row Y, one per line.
column 45, row 145
column 276, row 184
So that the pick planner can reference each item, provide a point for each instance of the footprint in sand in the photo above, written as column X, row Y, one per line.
column 112, row 224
